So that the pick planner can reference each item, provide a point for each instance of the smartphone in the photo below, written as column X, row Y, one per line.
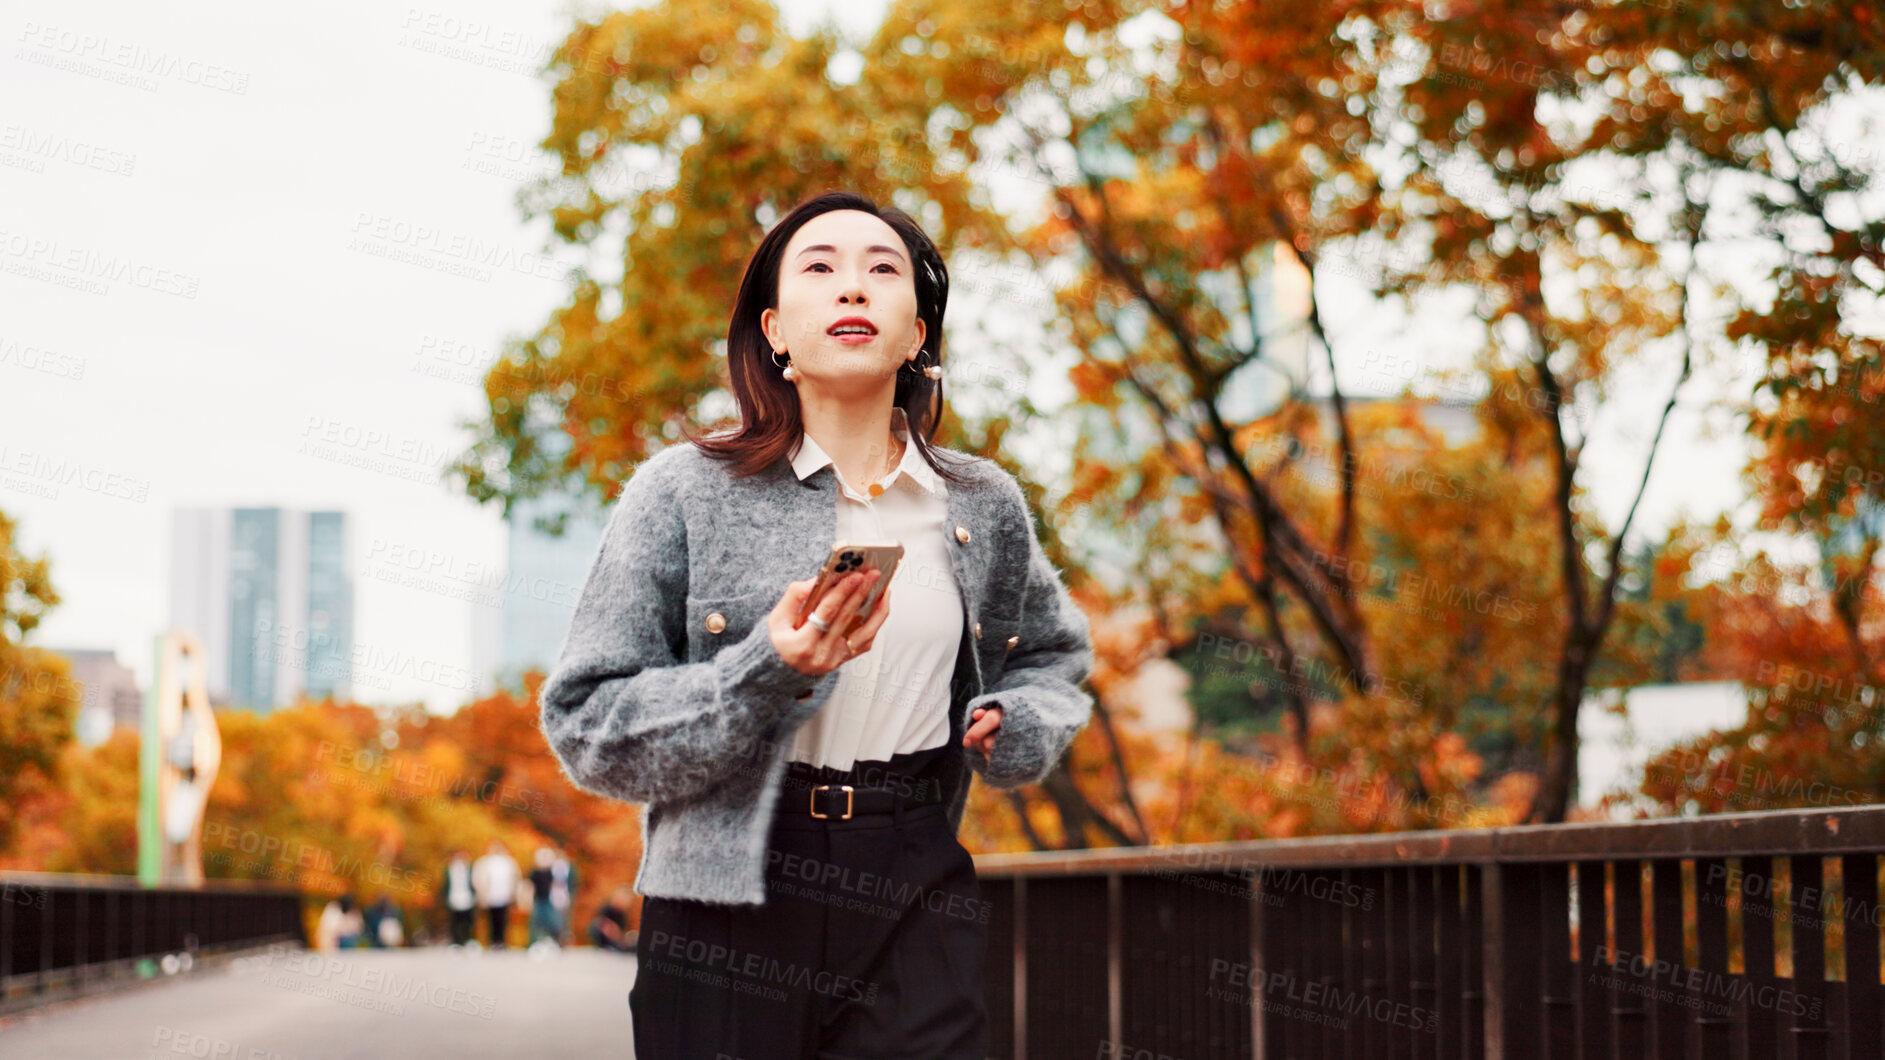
column 848, row 556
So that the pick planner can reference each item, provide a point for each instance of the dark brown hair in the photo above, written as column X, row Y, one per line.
column 770, row 423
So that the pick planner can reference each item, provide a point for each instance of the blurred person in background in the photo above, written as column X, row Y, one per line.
column 384, row 928
column 494, row 877
column 609, row 930
column 340, row 926
column 552, row 893
column 458, row 898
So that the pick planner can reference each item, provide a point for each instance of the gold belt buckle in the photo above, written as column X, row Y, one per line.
column 850, row 800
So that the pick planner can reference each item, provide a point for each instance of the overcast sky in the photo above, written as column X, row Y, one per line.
column 279, row 199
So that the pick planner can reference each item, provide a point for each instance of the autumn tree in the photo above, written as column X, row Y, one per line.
column 491, row 755
column 1551, row 161
column 1342, row 137
column 38, row 699
column 1793, row 130
column 88, row 822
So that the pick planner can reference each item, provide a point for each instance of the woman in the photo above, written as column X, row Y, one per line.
column 340, row 925
column 803, row 782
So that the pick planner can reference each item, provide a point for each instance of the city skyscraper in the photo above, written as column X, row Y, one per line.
column 268, row 592
column 543, row 576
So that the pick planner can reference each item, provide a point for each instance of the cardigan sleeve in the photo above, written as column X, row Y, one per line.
column 1042, row 705
column 625, row 717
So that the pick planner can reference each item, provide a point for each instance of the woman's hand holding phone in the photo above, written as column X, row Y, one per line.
column 810, row 650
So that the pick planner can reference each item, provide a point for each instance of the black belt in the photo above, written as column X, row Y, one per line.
column 844, row 801
column 839, row 801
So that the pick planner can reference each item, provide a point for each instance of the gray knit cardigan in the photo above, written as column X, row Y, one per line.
column 668, row 691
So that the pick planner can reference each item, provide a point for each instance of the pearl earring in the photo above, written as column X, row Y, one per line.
column 934, row 371
column 791, row 372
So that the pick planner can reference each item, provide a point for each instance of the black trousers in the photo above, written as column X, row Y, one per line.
column 869, row 946
column 499, row 917
column 461, row 925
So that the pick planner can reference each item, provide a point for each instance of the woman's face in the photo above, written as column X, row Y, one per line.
column 845, row 265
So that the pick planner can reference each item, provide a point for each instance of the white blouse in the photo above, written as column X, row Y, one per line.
column 894, row 698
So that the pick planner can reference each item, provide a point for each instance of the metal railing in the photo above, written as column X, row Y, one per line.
column 1752, row 936
column 61, row 934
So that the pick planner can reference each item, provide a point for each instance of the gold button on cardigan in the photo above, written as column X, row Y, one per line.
column 645, row 704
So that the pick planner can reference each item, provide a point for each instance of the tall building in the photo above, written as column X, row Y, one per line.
column 268, row 592
column 107, row 693
column 543, row 576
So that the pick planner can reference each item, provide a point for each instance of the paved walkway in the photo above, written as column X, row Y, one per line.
column 291, row 1004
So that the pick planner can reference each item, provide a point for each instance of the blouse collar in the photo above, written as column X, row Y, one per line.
column 811, row 456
